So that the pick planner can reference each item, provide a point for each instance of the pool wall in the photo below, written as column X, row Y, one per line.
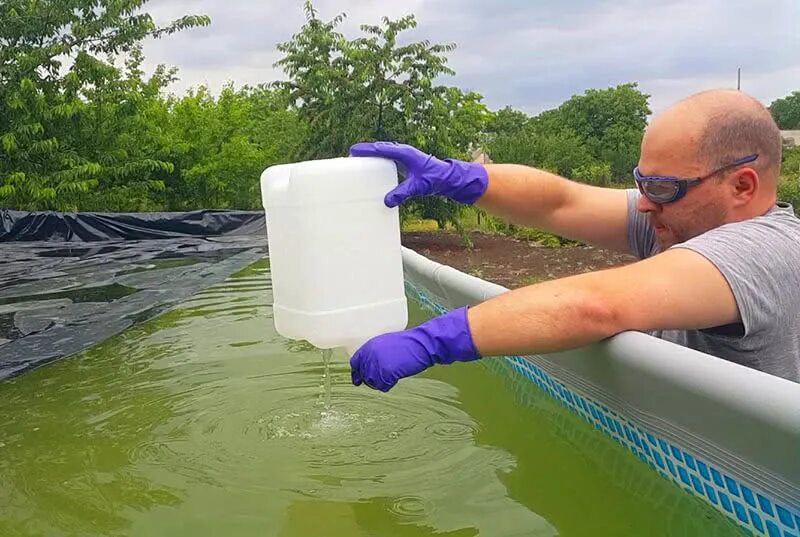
column 724, row 433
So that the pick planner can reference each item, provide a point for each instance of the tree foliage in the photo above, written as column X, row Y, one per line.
column 61, row 95
column 593, row 137
column 83, row 128
column 786, row 111
column 375, row 87
column 221, row 145
column 789, row 185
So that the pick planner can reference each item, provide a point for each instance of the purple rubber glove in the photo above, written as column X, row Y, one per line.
column 385, row 359
column 460, row 181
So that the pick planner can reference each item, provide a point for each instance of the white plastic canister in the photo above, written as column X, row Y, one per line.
column 334, row 250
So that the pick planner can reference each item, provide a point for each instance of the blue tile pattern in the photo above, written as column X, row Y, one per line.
column 751, row 508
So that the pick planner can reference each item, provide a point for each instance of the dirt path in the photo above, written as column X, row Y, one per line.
column 509, row 261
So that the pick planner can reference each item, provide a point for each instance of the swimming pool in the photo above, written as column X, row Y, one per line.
column 726, row 434
column 203, row 421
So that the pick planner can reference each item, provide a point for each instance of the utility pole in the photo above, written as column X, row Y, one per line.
column 739, row 79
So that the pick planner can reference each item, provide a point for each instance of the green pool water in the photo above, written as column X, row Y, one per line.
column 205, row 422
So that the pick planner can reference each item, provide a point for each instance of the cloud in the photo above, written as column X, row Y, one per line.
column 529, row 55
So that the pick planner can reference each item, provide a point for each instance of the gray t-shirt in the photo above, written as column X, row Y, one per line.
column 760, row 259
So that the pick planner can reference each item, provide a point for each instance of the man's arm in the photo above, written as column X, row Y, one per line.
column 519, row 193
column 539, row 199
column 678, row 289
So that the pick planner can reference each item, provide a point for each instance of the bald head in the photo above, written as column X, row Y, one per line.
column 726, row 125
column 696, row 137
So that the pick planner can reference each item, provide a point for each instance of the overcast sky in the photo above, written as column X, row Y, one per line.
column 529, row 54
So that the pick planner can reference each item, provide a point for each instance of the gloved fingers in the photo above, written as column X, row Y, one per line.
column 377, row 382
column 355, row 377
column 402, row 153
column 355, row 370
column 407, row 189
column 367, row 370
column 369, row 381
column 386, row 384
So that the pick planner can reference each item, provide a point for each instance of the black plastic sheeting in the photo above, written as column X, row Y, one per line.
column 90, row 227
column 60, row 297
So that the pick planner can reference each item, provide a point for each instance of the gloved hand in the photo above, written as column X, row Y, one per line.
column 385, row 359
column 461, row 181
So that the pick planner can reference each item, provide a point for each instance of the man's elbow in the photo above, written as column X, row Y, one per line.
column 582, row 318
column 602, row 317
column 607, row 304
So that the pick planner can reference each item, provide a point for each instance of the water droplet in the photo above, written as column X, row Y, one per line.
column 2, row 444
column 393, row 434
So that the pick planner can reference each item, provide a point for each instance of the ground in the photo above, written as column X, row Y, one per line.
column 510, row 261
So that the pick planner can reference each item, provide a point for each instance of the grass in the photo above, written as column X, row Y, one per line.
column 417, row 225
column 530, row 280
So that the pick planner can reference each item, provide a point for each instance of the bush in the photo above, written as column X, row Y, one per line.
column 542, row 237
column 596, row 173
column 789, row 191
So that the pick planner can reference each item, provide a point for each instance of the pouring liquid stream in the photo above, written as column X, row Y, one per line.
column 326, row 360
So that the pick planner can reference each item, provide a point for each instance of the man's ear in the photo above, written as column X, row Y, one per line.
column 744, row 184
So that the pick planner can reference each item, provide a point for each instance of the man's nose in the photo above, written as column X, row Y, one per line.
column 644, row 205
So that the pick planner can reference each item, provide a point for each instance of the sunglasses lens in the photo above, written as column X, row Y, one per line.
column 659, row 191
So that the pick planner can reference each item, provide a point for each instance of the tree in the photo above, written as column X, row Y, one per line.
column 509, row 137
column 559, row 151
column 221, row 145
column 507, row 121
column 57, row 77
column 611, row 122
column 786, row 111
column 120, row 126
column 368, row 88
column 318, row 84
column 789, row 184
column 373, row 88
column 598, row 133
column 454, row 124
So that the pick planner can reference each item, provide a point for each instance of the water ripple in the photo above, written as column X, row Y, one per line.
column 208, row 402
column 409, row 507
column 451, row 430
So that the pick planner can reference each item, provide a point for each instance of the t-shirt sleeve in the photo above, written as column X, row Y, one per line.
column 641, row 236
column 755, row 265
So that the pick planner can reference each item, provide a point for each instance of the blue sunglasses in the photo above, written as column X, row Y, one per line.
column 667, row 188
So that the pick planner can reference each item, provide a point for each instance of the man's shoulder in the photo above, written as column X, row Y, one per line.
column 779, row 227
column 767, row 246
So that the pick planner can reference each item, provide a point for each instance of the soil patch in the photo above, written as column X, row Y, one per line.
column 510, row 261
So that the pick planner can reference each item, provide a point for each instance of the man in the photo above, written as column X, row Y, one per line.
column 720, row 258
